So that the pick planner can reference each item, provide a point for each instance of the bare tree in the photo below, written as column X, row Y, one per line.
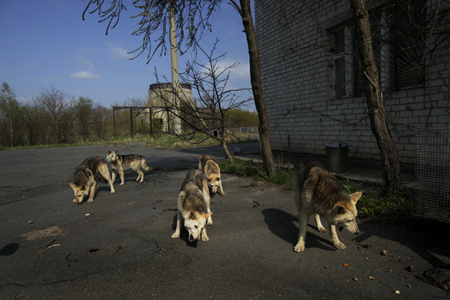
column 9, row 110
column 191, row 21
column 55, row 104
column 215, row 99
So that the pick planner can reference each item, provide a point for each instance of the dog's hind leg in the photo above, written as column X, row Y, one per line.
column 140, row 177
column 104, row 171
column 302, row 224
column 301, row 213
column 319, row 225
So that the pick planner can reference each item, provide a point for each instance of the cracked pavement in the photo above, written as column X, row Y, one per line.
column 120, row 245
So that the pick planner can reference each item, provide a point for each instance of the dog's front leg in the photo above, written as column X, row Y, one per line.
column 319, row 223
column 92, row 192
column 205, row 237
column 222, row 193
column 336, row 242
column 113, row 175
column 176, row 234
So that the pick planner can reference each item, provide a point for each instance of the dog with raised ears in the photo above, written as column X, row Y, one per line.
column 86, row 176
column 194, row 207
column 318, row 192
column 210, row 168
column 120, row 163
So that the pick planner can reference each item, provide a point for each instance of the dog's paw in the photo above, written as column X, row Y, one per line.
column 75, row 200
column 205, row 238
column 223, row 194
column 300, row 247
column 90, row 200
column 121, row 183
column 322, row 229
column 113, row 192
column 340, row 246
column 210, row 223
column 176, row 235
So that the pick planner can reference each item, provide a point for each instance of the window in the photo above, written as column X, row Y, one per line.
column 397, row 43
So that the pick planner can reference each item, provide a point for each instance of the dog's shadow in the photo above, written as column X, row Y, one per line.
column 184, row 234
column 281, row 224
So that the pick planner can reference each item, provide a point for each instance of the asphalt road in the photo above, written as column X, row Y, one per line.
column 120, row 245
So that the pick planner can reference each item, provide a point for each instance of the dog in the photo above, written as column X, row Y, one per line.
column 318, row 192
column 86, row 176
column 194, row 207
column 211, row 170
column 120, row 163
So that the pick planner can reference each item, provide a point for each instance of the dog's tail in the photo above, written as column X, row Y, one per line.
column 144, row 165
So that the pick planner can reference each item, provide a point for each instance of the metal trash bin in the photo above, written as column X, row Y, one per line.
column 337, row 154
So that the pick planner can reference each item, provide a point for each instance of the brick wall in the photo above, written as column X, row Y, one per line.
column 296, row 70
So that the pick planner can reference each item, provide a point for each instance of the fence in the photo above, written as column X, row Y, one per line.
column 433, row 174
column 242, row 130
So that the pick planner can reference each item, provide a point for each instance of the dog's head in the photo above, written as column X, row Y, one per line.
column 80, row 192
column 194, row 223
column 346, row 213
column 214, row 182
column 112, row 155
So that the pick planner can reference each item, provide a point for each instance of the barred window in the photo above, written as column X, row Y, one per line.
column 398, row 43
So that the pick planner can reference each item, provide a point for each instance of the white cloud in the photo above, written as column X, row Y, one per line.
column 118, row 53
column 86, row 75
column 89, row 74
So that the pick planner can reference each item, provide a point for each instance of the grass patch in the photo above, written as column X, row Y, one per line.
column 162, row 140
column 255, row 170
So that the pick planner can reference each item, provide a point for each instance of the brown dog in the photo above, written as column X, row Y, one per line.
column 211, row 170
column 318, row 192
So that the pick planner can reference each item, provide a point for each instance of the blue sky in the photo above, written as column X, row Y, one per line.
column 45, row 43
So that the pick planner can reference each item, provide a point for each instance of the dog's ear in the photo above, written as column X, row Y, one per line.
column 192, row 215
column 340, row 210
column 73, row 185
column 83, row 188
column 356, row 196
column 207, row 215
column 109, row 152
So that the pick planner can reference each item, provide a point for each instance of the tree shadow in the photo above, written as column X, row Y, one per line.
column 425, row 237
column 9, row 249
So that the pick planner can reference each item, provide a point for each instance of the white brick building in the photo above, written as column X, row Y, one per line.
column 312, row 84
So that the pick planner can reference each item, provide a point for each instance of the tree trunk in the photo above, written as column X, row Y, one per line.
column 255, row 77
column 374, row 98
column 227, row 152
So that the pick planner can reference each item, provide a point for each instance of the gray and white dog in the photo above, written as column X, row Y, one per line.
column 120, row 163
column 194, row 206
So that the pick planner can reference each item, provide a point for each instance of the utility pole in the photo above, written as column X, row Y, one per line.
column 174, row 62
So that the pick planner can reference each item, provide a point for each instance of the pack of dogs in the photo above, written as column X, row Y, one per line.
column 316, row 192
